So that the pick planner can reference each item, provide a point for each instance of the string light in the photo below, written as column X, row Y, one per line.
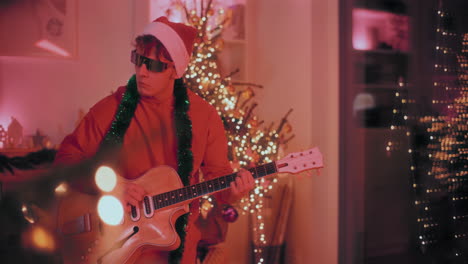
column 446, row 148
column 248, row 141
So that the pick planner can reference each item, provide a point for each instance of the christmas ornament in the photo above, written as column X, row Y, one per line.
column 248, row 93
column 229, row 214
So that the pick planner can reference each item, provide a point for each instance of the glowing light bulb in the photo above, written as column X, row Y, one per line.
column 110, row 210
column 61, row 188
column 105, row 178
column 28, row 213
column 42, row 239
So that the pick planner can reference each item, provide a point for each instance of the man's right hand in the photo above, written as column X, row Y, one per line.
column 132, row 195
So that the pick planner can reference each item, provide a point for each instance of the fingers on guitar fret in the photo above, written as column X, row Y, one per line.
column 234, row 188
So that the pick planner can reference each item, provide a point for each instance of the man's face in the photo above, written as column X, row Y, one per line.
column 156, row 84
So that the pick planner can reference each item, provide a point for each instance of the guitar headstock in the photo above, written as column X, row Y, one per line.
column 301, row 161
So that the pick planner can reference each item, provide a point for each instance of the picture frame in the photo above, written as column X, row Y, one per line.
column 39, row 28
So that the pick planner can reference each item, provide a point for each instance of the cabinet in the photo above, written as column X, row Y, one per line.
column 378, row 87
column 380, row 59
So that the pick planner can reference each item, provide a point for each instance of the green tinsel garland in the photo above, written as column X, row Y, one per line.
column 183, row 124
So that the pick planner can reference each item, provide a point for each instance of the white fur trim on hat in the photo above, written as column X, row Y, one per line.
column 172, row 42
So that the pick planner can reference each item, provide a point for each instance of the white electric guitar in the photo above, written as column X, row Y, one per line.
column 86, row 239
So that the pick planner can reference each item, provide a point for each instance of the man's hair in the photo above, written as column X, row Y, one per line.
column 147, row 42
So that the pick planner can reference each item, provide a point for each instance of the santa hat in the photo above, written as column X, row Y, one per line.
column 177, row 38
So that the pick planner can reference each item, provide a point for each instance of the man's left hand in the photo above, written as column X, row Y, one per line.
column 243, row 184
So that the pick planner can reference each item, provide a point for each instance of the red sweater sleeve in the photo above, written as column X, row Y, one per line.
column 81, row 144
column 85, row 140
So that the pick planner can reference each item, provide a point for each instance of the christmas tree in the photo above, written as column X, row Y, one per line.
column 250, row 141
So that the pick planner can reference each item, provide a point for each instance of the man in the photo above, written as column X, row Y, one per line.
column 157, row 121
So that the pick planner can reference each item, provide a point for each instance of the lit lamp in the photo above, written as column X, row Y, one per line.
column 110, row 209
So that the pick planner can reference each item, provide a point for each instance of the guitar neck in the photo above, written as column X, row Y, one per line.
column 207, row 187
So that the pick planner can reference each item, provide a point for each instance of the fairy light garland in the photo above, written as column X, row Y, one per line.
column 438, row 151
column 427, row 220
column 445, row 150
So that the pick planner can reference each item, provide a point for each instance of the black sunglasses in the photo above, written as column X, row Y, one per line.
column 152, row 65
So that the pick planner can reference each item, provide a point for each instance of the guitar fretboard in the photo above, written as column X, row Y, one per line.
column 203, row 188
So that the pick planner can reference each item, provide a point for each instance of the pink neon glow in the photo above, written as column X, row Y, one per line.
column 177, row 17
column 157, row 8
column 4, row 121
column 49, row 46
column 5, row 114
column 362, row 42
column 372, row 28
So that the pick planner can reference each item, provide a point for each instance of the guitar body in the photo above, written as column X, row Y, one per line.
column 86, row 239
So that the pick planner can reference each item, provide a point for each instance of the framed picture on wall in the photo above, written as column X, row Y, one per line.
column 39, row 28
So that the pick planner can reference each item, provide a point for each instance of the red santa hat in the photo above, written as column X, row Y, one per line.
column 177, row 38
